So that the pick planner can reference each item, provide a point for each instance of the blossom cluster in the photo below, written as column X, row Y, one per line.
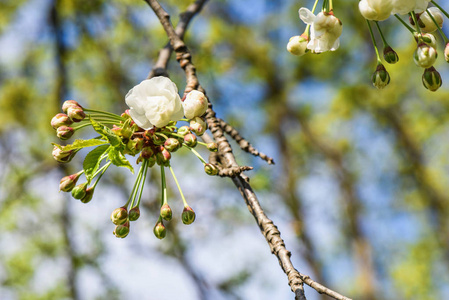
column 322, row 32
column 147, row 130
column 423, row 22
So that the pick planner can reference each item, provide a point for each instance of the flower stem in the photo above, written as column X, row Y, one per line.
column 104, row 168
column 381, row 35
column 440, row 8
column 196, row 153
column 145, row 166
column 135, row 187
column 164, row 187
column 418, row 29
column 438, row 26
column 179, row 187
column 104, row 113
column 405, row 24
column 379, row 61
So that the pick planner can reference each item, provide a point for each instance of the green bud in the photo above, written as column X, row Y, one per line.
column 431, row 79
column 134, row 213
column 380, row 77
column 76, row 113
column 198, row 126
column 427, row 38
column 159, row 230
column 69, row 103
column 60, row 120
column 79, row 191
column 188, row 215
column 88, row 196
column 68, row 182
column 64, row 132
column 390, row 55
column 62, row 156
column 166, row 212
column 172, row 144
column 135, row 146
column 122, row 230
column 211, row 169
column 190, row 140
column 119, row 216
column 213, row 147
column 126, row 115
column 158, row 140
column 183, row 130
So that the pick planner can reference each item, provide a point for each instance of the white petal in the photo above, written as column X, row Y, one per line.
column 306, row 15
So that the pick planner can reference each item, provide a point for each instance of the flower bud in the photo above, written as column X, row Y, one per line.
column 390, row 55
column 147, row 152
column 431, row 79
column 134, row 213
column 158, row 140
column 69, row 103
column 213, row 147
column 68, row 182
column 88, row 196
column 427, row 38
column 211, row 169
column 427, row 24
column 60, row 120
column 190, row 140
column 76, row 113
column 195, row 104
column 119, row 215
column 446, row 52
column 297, row 45
column 79, row 191
column 380, row 77
column 134, row 146
column 163, row 157
column 183, row 130
column 166, row 212
column 425, row 56
column 198, row 126
column 122, row 230
column 64, row 132
column 188, row 215
column 126, row 115
column 159, row 230
column 172, row 144
column 61, row 155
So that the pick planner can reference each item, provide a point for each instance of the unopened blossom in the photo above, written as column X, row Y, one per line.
column 403, row 7
column 425, row 56
column 297, row 45
column 429, row 24
column 195, row 104
column 154, row 102
column 376, row 10
column 324, row 32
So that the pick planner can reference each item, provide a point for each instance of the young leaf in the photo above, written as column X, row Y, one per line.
column 93, row 160
column 107, row 133
column 118, row 159
column 78, row 144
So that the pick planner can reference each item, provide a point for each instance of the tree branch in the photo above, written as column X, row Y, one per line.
column 226, row 157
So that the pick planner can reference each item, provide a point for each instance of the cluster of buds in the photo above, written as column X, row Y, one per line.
column 424, row 21
column 120, row 135
column 322, row 32
column 62, row 122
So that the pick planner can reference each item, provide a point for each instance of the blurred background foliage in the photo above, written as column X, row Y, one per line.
column 358, row 189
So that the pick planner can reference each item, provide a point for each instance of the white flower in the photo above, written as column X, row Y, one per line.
column 195, row 104
column 324, row 32
column 377, row 10
column 425, row 56
column 297, row 45
column 429, row 25
column 403, row 7
column 155, row 102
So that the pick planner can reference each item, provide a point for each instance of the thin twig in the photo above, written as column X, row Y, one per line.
column 244, row 144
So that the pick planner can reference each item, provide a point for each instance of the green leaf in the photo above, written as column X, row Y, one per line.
column 78, row 144
column 118, row 159
column 107, row 133
column 92, row 161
